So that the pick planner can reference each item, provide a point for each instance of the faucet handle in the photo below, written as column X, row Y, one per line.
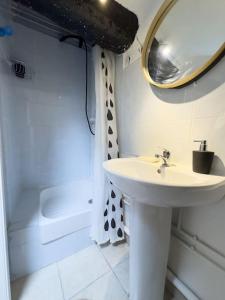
column 166, row 153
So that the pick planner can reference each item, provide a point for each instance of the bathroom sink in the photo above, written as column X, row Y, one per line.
column 176, row 186
column 154, row 191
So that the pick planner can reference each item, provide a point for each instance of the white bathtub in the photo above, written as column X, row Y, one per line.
column 64, row 210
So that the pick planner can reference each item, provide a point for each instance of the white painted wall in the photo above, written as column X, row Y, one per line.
column 149, row 118
column 4, row 266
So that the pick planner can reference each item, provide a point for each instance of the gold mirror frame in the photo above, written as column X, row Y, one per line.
column 157, row 21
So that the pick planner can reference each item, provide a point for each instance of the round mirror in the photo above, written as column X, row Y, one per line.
column 185, row 39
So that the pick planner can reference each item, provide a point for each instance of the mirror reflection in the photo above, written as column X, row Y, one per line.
column 187, row 39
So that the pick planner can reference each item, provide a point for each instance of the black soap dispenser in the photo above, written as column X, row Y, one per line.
column 202, row 159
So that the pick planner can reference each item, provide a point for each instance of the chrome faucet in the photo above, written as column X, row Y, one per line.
column 164, row 156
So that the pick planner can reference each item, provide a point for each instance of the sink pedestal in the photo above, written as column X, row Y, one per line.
column 149, row 247
column 153, row 196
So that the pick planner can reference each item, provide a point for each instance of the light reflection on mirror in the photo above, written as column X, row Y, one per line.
column 189, row 36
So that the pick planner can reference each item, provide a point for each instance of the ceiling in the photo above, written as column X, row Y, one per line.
column 142, row 8
column 145, row 10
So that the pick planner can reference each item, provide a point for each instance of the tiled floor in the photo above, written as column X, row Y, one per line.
column 92, row 274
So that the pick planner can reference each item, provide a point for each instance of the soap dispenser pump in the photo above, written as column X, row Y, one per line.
column 202, row 159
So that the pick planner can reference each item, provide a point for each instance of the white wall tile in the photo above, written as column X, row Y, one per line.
column 46, row 137
column 149, row 118
column 204, row 278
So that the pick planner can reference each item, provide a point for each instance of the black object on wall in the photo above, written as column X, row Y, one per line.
column 111, row 26
column 19, row 69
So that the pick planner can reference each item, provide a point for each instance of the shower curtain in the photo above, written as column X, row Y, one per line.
column 107, row 223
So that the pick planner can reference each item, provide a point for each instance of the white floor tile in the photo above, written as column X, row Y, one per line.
column 44, row 284
column 81, row 269
column 122, row 273
column 115, row 254
column 105, row 288
column 84, row 276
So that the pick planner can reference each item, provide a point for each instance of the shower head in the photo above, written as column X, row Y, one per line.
column 73, row 36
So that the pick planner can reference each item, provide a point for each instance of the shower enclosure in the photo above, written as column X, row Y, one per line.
column 46, row 143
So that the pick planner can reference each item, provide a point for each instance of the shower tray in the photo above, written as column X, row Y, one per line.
column 64, row 209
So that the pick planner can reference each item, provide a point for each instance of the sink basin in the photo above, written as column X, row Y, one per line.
column 153, row 195
column 176, row 186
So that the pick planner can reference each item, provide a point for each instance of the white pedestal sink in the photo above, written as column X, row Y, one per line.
column 153, row 197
